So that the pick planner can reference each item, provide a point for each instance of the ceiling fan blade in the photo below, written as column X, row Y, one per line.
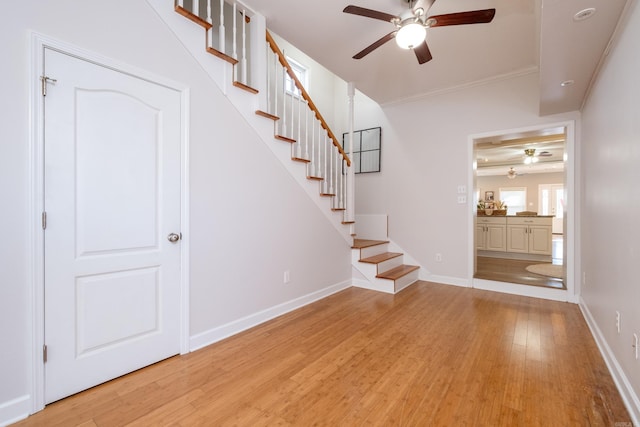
column 369, row 13
column 367, row 50
column 461, row 18
column 422, row 53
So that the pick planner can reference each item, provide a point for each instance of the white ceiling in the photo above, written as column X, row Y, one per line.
column 524, row 37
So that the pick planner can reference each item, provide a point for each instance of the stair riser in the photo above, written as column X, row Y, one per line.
column 389, row 264
column 373, row 250
column 380, row 285
column 406, row 280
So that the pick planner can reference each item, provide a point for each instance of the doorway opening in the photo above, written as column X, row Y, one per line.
column 520, row 218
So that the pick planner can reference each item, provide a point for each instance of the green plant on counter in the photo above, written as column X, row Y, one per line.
column 481, row 204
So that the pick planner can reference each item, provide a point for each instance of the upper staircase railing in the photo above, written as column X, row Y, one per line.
column 300, row 122
column 297, row 119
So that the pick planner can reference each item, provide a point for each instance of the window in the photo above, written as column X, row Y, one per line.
column 301, row 72
column 366, row 149
column 515, row 198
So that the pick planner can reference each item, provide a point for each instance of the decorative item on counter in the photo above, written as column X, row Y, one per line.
column 499, row 208
column 480, row 208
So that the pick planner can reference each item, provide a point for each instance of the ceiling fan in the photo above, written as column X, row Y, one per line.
column 411, row 26
column 530, row 155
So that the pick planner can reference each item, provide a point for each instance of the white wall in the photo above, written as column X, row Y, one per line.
column 529, row 181
column 249, row 219
column 426, row 156
column 611, row 199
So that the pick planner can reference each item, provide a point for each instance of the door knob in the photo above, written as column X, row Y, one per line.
column 173, row 237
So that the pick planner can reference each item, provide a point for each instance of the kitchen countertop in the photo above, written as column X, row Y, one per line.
column 519, row 216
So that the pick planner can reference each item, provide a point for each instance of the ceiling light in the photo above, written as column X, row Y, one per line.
column 567, row 83
column 411, row 35
column 530, row 156
column 511, row 174
column 584, row 14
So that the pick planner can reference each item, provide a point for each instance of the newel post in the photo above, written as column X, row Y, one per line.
column 351, row 200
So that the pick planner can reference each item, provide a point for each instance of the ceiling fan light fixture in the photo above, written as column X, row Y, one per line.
column 411, row 35
column 530, row 156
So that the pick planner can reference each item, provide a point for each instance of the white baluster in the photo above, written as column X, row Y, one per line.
column 210, row 21
column 268, row 79
column 299, row 143
column 244, row 46
column 195, row 7
column 275, row 85
column 312, row 164
column 291, row 125
column 221, row 31
column 235, row 32
column 320, row 150
column 306, row 130
column 325, row 166
column 343, row 183
column 283, row 128
column 331, row 189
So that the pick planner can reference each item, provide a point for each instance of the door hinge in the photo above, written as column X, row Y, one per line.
column 44, row 353
column 44, row 80
column 44, row 220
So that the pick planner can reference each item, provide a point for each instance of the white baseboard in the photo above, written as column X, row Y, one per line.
column 629, row 396
column 219, row 333
column 446, row 280
column 14, row 410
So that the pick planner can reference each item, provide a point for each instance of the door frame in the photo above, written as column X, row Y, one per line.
column 36, row 234
column 571, row 224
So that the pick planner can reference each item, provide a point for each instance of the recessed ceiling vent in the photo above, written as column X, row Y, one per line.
column 584, row 14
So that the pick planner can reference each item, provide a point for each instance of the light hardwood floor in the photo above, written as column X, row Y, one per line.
column 433, row 355
column 514, row 271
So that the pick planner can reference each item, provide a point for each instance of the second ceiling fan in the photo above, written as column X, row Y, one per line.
column 411, row 27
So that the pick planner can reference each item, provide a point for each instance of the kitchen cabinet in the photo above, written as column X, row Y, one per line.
column 491, row 234
column 529, row 235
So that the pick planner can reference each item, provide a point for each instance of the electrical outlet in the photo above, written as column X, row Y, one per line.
column 438, row 257
column 635, row 345
column 462, row 189
column 287, row 276
column 584, row 277
column 462, row 199
column 618, row 321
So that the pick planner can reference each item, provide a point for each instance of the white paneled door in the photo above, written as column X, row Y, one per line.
column 112, row 201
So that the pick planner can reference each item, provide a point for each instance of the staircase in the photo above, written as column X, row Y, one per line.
column 383, row 270
column 255, row 66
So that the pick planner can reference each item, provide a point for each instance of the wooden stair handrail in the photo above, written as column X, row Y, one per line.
column 305, row 95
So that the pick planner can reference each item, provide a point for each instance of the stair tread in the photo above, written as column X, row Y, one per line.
column 267, row 115
column 300, row 159
column 364, row 243
column 398, row 272
column 377, row 259
column 285, row 139
column 243, row 86
column 192, row 16
column 223, row 56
